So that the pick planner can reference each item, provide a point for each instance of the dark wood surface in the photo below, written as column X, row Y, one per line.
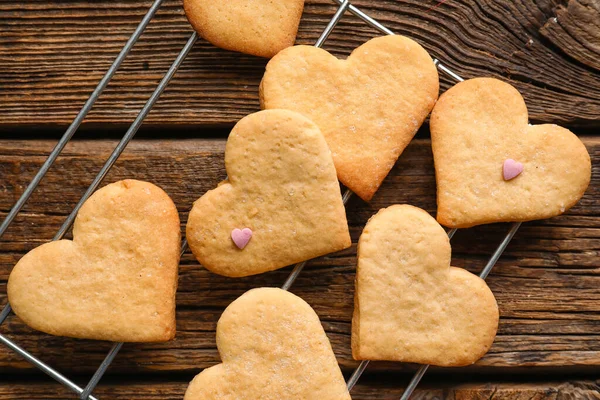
column 52, row 54
column 174, row 390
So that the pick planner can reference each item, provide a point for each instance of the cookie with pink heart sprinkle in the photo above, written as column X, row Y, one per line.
column 280, row 205
column 492, row 166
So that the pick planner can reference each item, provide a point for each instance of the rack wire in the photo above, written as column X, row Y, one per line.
column 86, row 392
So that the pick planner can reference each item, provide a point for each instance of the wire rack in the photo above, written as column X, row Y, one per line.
column 85, row 393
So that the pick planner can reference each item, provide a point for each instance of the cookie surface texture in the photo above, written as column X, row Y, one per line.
column 282, row 186
column 116, row 280
column 273, row 347
column 258, row 27
column 478, row 128
column 369, row 106
column 410, row 305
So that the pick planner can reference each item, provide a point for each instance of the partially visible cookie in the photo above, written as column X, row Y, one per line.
column 273, row 347
column 280, row 205
column 258, row 27
column 491, row 166
column 116, row 280
column 368, row 107
column 410, row 304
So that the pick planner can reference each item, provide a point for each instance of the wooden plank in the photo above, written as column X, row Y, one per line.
column 546, row 284
column 369, row 390
column 52, row 54
column 578, row 33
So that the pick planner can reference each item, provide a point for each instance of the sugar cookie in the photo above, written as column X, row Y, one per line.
column 273, row 347
column 258, row 27
column 282, row 192
column 491, row 166
column 410, row 305
column 116, row 280
column 368, row 107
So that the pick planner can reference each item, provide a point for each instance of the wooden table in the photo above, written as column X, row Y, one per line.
column 547, row 283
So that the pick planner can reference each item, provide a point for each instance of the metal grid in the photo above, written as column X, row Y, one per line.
column 85, row 393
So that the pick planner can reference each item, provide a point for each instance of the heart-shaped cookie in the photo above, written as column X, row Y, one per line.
column 259, row 27
column 368, row 107
column 116, row 280
column 282, row 187
column 273, row 347
column 492, row 166
column 410, row 305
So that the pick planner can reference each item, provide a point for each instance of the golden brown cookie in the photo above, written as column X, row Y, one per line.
column 410, row 304
column 258, row 27
column 273, row 347
column 280, row 205
column 368, row 107
column 492, row 166
column 116, row 280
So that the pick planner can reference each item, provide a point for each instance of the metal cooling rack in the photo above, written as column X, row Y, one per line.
column 85, row 393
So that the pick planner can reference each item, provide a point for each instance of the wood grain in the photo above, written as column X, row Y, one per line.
column 546, row 284
column 52, row 54
column 578, row 33
column 379, row 390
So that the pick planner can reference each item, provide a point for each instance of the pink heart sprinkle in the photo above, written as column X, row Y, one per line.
column 511, row 169
column 241, row 237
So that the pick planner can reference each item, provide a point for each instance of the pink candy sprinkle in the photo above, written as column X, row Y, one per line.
column 241, row 237
column 511, row 169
